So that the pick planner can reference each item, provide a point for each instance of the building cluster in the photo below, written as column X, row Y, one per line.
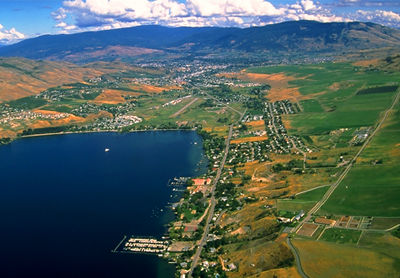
column 360, row 136
column 247, row 152
column 296, row 217
column 126, row 120
column 176, row 101
column 278, row 139
column 88, row 108
column 85, row 109
column 115, row 123
column 82, row 91
column 8, row 117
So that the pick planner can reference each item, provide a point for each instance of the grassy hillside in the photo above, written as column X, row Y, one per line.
column 21, row 77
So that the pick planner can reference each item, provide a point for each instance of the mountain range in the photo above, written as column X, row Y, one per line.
column 294, row 37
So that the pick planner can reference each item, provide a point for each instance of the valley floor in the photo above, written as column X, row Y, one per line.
column 302, row 153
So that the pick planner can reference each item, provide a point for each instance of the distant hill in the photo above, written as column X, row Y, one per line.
column 20, row 77
column 289, row 37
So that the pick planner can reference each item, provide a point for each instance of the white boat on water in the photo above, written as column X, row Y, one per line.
column 106, row 150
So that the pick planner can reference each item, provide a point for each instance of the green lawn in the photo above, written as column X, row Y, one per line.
column 341, row 235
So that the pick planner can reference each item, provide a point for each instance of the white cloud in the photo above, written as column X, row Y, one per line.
column 308, row 5
column 105, row 14
column 127, row 9
column 60, row 14
column 207, row 8
column 65, row 26
column 310, row 10
column 10, row 36
column 388, row 18
column 80, row 15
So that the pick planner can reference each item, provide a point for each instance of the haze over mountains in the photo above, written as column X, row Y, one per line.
column 306, row 37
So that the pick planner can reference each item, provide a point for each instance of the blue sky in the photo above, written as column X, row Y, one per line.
column 20, row 19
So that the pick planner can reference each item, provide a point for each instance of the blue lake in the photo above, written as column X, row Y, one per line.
column 65, row 202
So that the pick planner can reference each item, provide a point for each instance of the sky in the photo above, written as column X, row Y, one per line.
column 21, row 19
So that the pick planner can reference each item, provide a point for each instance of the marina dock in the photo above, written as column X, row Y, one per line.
column 177, row 182
column 145, row 245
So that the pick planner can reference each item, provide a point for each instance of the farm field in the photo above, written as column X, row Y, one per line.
column 304, row 201
column 326, row 259
column 366, row 191
column 341, row 235
column 356, row 111
column 308, row 229
column 372, row 186
column 333, row 99
column 382, row 242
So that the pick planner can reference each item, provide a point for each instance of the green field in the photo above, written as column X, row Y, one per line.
column 369, row 189
column 349, row 98
column 384, row 243
column 356, row 111
column 311, row 105
column 341, row 235
column 303, row 201
column 27, row 103
column 327, row 259
column 337, row 85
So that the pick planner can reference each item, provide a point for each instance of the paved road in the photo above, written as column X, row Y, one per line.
column 183, row 108
column 347, row 169
column 314, row 188
column 297, row 258
column 212, row 205
column 273, row 119
column 301, row 151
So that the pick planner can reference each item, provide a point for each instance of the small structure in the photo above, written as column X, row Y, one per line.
column 284, row 220
column 200, row 185
column 183, row 273
column 325, row 221
column 232, row 267
column 190, row 227
column 298, row 216
column 198, row 182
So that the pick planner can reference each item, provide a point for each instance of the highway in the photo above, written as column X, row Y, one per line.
column 203, row 239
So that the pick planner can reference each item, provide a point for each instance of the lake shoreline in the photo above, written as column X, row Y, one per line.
column 99, row 131
column 75, row 144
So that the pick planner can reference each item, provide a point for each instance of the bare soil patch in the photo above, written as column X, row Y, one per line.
column 308, row 229
column 249, row 139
